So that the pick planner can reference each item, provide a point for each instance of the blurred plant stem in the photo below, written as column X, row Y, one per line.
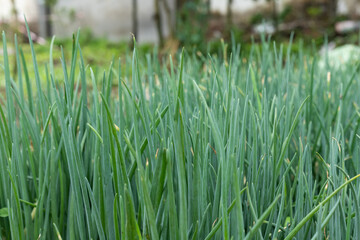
column 229, row 21
column 134, row 23
column 15, row 28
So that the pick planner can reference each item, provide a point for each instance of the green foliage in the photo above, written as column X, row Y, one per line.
column 4, row 212
column 314, row 11
column 285, row 13
column 216, row 148
column 190, row 30
column 256, row 18
column 51, row 3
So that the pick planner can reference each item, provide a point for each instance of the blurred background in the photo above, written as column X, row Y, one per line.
column 170, row 24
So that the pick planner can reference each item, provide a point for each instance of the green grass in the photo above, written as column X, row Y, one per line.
column 96, row 52
column 200, row 148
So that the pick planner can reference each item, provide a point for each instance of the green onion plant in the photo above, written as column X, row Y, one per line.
column 196, row 147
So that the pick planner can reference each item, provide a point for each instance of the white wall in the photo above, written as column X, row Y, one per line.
column 112, row 18
column 349, row 7
column 106, row 18
column 24, row 7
